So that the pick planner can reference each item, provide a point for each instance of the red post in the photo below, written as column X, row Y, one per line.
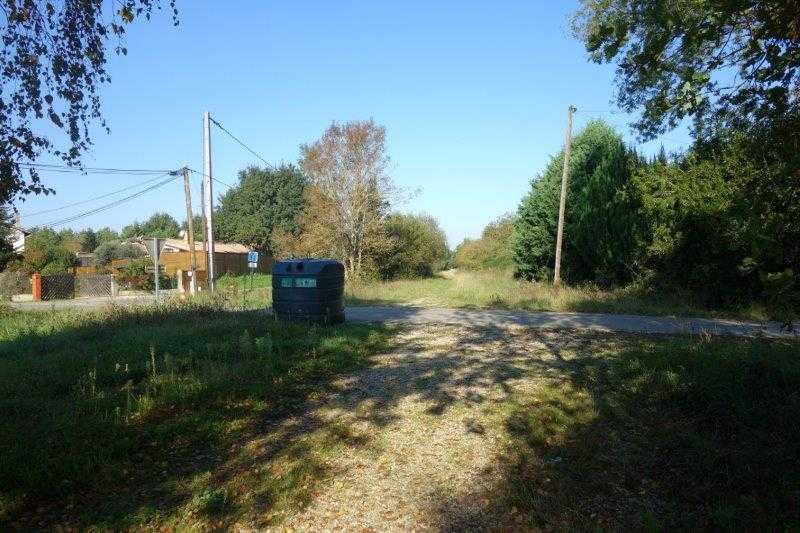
column 36, row 283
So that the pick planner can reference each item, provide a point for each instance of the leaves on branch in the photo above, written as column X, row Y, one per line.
column 53, row 62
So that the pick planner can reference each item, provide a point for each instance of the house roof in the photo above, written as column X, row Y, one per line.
column 220, row 247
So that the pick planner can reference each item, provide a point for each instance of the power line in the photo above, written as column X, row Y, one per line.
column 91, row 170
column 90, row 200
column 114, row 203
column 213, row 178
column 242, row 144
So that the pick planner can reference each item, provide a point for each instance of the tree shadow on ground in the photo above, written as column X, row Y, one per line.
column 194, row 416
column 685, row 434
column 152, row 416
column 198, row 417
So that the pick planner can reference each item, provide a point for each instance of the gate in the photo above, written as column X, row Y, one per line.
column 58, row 286
column 94, row 285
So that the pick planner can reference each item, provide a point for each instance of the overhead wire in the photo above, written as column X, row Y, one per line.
column 91, row 170
column 172, row 176
column 213, row 178
column 241, row 143
column 93, row 199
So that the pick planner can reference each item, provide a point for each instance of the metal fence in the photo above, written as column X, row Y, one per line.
column 94, row 285
column 58, row 286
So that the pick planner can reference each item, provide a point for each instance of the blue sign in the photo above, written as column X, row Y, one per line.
column 252, row 257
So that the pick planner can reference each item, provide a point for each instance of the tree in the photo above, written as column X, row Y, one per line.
column 602, row 226
column 348, row 168
column 108, row 251
column 732, row 61
column 494, row 249
column 263, row 200
column 417, row 247
column 106, row 234
column 53, row 61
column 87, row 240
column 723, row 220
column 161, row 225
column 198, row 224
column 46, row 253
column 6, row 248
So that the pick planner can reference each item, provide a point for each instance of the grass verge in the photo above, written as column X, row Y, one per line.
column 494, row 289
column 498, row 289
column 680, row 434
column 166, row 416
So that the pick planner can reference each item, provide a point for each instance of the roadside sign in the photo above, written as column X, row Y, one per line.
column 154, row 247
column 252, row 257
column 252, row 265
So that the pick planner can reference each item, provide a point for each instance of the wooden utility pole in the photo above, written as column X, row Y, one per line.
column 187, row 192
column 563, row 203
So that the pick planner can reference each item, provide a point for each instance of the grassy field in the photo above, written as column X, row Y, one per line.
column 197, row 416
column 499, row 290
column 121, row 419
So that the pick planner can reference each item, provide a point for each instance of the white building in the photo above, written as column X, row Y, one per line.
column 18, row 234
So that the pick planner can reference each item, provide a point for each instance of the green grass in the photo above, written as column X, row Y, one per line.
column 248, row 291
column 155, row 417
column 191, row 416
column 683, row 434
column 497, row 289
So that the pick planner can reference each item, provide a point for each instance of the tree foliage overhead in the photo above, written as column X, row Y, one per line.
column 265, row 200
column 601, row 226
column 53, row 63
column 728, row 61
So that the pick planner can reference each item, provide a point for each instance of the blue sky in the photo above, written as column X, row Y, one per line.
column 473, row 97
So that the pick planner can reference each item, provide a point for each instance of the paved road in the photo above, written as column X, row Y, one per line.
column 84, row 303
column 583, row 321
column 494, row 318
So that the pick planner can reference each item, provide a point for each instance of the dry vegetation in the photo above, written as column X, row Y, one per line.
column 499, row 289
column 487, row 289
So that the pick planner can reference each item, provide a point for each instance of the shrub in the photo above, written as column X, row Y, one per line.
column 494, row 249
column 46, row 253
column 136, row 275
column 108, row 251
column 417, row 247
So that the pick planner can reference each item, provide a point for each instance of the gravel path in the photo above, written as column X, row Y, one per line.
column 582, row 321
column 427, row 406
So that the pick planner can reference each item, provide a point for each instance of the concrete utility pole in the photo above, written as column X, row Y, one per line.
column 208, row 199
column 187, row 192
column 205, row 224
column 563, row 204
